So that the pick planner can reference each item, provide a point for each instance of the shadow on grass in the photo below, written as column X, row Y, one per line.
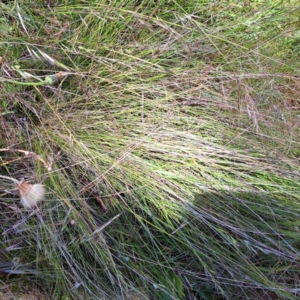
column 226, row 245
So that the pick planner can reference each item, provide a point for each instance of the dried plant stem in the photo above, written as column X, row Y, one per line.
column 28, row 154
column 10, row 178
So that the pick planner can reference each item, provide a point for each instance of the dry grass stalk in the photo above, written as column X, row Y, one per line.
column 28, row 154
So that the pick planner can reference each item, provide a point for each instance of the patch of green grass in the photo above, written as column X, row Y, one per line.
column 172, row 133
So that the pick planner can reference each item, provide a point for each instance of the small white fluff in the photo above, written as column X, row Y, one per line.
column 30, row 194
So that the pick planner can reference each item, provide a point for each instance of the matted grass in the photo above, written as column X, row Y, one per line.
column 168, row 142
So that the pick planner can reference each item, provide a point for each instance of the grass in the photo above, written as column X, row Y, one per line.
column 167, row 136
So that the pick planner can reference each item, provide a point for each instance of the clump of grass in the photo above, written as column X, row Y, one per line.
column 173, row 146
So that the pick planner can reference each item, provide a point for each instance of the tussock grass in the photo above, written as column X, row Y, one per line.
column 172, row 134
